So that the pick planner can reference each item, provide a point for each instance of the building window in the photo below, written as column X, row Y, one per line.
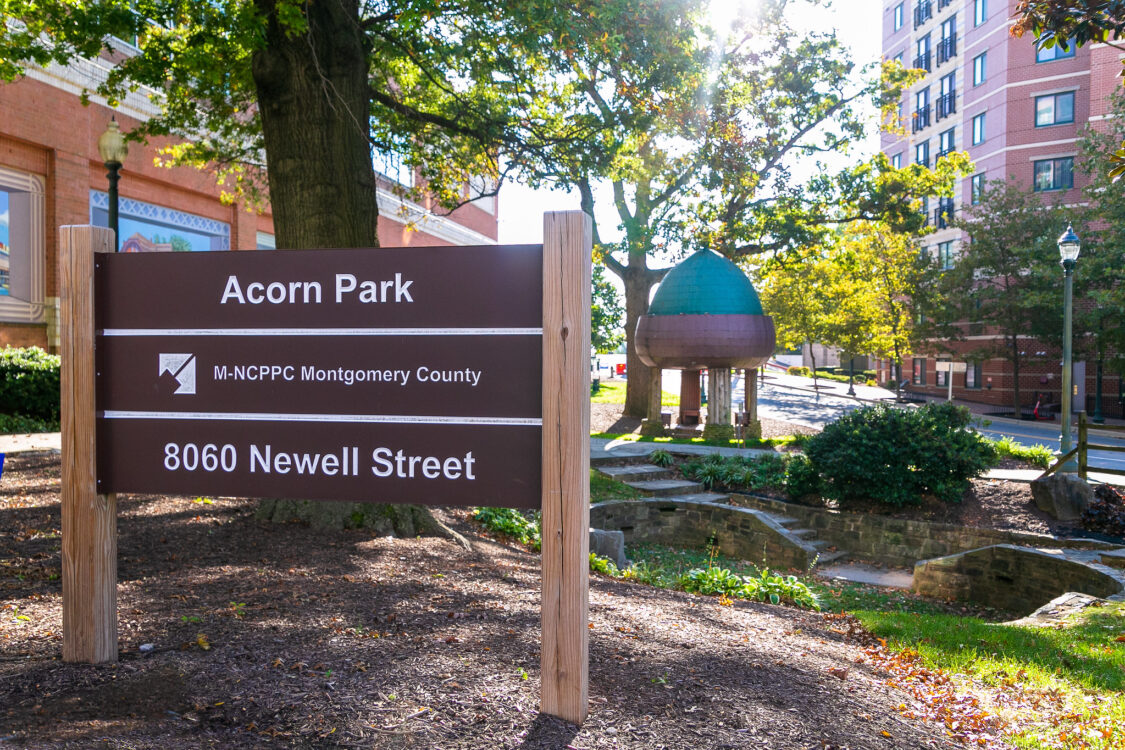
column 979, row 70
column 266, row 241
column 23, row 228
column 941, row 374
column 919, row 372
column 978, row 129
column 898, row 16
column 148, row 228
column 921, row 119
column 973, row 375
column 898, row 58
column 896, row 160
column 976, row 188
column 1054, row 174
column 947, row 99
column 1054, row 109
column 945, row 255
column 945, row 142
column 980, row 12
column 922, row 153
column 392, row 166
column 947, row 47
column 922, row 53
column 1047, row 54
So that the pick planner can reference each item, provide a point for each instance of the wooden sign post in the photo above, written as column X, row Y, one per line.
column 89, row 519
column 565, row 534
column 426, row 413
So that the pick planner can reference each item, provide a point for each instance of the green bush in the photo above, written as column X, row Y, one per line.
column 764, row 587
column 660, row 457
column 711, row 582
column 798, row 370
column 801, row 479
column 896, row 456
column 13, row 423
column 603, row 566
column 29, row 383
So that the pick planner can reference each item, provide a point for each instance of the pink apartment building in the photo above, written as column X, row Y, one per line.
column 1019, row 112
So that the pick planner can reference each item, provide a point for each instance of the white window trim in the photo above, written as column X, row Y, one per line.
column 32, row 310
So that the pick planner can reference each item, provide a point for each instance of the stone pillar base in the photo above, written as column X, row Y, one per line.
column 752, row 430
column 721, row 432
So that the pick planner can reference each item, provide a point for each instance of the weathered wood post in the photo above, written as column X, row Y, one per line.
column 567, row 241
column 89, row 519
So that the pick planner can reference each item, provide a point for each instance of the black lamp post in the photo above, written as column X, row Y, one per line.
column 113, row 150
column 1069, row 246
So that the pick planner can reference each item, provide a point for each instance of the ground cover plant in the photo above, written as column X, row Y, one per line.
column 1036, row 455
column 1060, row 686
column 897, row 456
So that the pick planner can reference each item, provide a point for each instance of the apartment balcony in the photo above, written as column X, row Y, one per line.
column 947, row 49
column 921, row 119
column 943, row 214
column 923, row 62
column 944, row 4
column 946, row 105
column 923, row 12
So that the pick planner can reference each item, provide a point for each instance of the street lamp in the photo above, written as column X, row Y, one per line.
column 113, row 150
column 1069, row 245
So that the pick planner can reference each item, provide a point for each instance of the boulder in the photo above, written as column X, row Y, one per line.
column 1063, row 496
column 609, row 544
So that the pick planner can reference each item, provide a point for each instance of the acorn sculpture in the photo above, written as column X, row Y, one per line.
column 705, row 315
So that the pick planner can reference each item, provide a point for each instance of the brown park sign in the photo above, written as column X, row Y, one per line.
column 407, row 375
column 438, row 375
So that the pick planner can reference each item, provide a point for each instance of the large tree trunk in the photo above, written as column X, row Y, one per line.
column 314, row 102
column 638, row 281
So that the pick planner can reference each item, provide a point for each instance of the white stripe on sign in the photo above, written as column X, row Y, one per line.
column 322, row 332
column 355, row 418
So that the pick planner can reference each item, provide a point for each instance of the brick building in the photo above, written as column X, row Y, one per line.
column 51, row 175
column 1019, row 112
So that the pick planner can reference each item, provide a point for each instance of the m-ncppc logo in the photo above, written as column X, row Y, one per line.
column 182, row 367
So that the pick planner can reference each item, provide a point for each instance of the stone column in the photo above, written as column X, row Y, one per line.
column 718, row 405
column 689, row 398
column 652, row 425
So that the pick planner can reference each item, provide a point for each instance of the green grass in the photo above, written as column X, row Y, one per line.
column 16, row 423
column 1069, row 681
column 603, row 489
column 614, row 393
column 634, row 437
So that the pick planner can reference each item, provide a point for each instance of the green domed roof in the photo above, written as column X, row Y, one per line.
column 706, row 284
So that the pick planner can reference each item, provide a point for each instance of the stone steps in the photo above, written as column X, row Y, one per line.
column 635, row 472
column 656, row 482
column 666, row 487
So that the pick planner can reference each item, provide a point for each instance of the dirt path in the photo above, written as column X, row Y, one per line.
column 317, row 639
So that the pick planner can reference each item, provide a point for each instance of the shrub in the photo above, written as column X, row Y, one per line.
column 660, row 457
column 764, row 587
column 29, row 383
column 799, row 370
column 896, row 456
column 603, row 566
column 711, row 581
column 802, row 482
column 511, row 523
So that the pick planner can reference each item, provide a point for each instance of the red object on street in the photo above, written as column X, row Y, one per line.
column 621, row 369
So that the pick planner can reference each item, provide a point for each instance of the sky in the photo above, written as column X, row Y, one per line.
column 859, row 25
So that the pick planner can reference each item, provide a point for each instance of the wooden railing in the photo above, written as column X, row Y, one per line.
column 1082, row 450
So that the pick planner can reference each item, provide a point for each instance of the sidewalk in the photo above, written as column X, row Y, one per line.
column 39, row 441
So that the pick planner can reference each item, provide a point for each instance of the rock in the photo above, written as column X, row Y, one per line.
column 1063, row 496
column 609, row 544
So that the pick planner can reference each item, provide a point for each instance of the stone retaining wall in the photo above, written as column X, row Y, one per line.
column 741, row 532
column 902, row 542
column 1011, row 578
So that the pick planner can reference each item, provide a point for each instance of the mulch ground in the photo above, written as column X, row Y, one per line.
column 237, row 633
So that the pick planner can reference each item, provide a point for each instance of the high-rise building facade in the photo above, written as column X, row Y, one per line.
column 1019, row 112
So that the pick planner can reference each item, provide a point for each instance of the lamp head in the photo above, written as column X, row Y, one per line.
column 111, row 144
column 1069, row 245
